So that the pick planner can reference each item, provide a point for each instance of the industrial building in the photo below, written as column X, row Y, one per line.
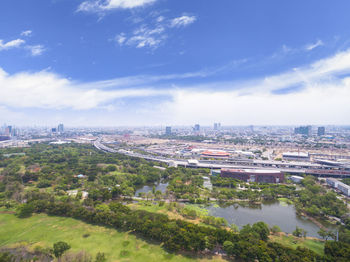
column 296, row 156
column 254, row 175
column 332, row 182
column 344, row 188
column 215, row 154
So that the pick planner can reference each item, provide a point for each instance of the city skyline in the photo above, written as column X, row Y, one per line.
column 160, row 62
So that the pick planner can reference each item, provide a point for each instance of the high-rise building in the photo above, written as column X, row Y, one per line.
column 321, row 131
column 303, row 130
column 54, row 130
column 217, row 126
column 8, row 130
column 197, row 127
column 60, row 128
column 168, row 130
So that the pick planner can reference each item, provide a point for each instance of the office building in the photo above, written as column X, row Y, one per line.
column 60, row 128
column 197, row 128
column 321, row 131
column 217, row 126
column 54, row 130
column 303, row 130
column 168, row 130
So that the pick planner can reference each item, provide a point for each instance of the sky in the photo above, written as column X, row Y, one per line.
column 174, row 62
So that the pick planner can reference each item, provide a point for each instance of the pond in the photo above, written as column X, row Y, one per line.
column 272, row 213
column 148, row 188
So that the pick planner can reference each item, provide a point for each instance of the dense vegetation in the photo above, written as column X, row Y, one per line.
column 176, row 235
column 42, row 181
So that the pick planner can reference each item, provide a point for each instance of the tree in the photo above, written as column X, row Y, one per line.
column 323, row 233
column 25, row 210
column 229, row 248
column 100, row 257
column 297, row 232
column 59, row 248
column 262, row 229
column 6, row 257
column 275, row 229
column 234, row 227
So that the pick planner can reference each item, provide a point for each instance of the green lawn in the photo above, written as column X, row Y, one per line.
column 44, row 230
column 293, row 242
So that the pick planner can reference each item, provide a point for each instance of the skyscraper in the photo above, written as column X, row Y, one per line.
column 168, row 130
column 303, row 130
column 60, row 128
column 321, row 131
column 197, row 127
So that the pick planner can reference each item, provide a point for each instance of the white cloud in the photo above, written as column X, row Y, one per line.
column 11, row 44
column 182, row 21
column 160, row 19
column 26, row 33
column 152, row 36
column 36, row 50
column 310, row 47
column 323, row 98
column 47, row 90
column 120, row 38
column 143, row 37
column 100, row 6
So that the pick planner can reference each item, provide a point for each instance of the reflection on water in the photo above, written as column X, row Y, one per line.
column 272, row 213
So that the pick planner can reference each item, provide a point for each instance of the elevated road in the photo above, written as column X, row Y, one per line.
column 291, row 168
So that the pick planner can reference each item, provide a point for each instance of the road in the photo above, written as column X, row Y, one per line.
column 313, row 169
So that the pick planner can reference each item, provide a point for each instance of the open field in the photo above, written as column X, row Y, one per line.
column 43, row 230
column 293, row 242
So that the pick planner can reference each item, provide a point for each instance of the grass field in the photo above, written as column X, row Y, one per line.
column 293, row 242
column 42, row 230
column 155, row 208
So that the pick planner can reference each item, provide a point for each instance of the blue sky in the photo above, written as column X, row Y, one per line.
column 161, row 62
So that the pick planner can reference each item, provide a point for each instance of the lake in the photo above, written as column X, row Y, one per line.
column 272, row 213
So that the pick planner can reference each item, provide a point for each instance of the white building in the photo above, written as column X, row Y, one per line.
column 296, row 156
column 192, row 162
column 332, row 182
column 296, row 179
column 344, row 188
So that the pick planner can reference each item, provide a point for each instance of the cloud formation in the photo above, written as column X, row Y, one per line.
column 318, row 94
column 154, row 34
column 26, row 33
column 11, row 44
column 182, row 21
column 310, row 47
column 35, row 50
column 100, row 6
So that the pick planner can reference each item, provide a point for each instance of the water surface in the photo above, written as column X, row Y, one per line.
column 272, row 213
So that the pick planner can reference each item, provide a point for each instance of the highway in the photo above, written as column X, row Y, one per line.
column 294, row 168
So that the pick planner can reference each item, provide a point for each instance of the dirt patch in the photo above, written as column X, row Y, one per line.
column 7, row 212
